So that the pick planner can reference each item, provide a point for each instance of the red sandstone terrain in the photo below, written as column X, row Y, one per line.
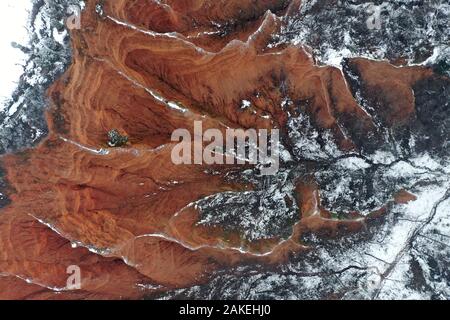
column 123, row 214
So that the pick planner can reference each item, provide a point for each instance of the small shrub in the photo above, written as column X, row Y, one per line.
column 115, row 139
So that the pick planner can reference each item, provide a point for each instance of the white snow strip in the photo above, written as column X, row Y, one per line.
column 13, row 21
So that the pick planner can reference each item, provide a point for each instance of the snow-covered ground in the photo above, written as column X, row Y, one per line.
column 26, row 77
column 336, row 30
column 13, row 20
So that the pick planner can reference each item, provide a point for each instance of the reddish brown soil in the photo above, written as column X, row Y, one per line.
column 129, row 206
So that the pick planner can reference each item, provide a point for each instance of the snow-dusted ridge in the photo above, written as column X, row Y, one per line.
column 339, row 30
column 42, row 48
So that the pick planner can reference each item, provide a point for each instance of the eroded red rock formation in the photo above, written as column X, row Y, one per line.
column 123, row 214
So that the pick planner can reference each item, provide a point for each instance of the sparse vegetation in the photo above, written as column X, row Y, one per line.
column 115, row 139
column 335, row 216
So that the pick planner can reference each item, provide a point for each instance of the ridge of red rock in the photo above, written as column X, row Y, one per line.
column 125, row 215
